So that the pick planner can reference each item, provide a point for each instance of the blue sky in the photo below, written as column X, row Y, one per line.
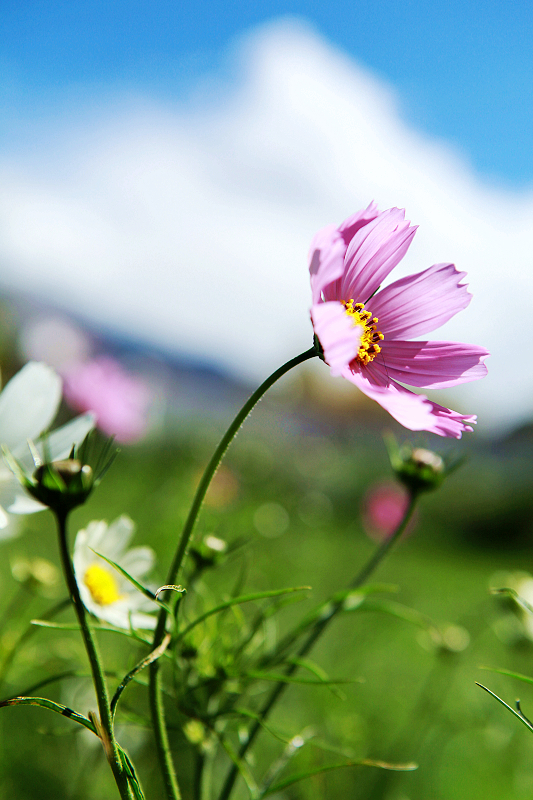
column 463, row 70
column 155, row 157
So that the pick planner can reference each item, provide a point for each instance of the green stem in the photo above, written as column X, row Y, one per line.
column 106, row 720
column 316, row 631
column 156, row 700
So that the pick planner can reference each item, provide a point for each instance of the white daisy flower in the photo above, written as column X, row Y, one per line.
column 28, row 405
column 104, row 591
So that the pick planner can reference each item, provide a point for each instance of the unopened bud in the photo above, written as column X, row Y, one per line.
column 65, row 483
column 417, row 468
column 62, row 485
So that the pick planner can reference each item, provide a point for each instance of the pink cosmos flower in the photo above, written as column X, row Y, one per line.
column 365, row 333
column 384, row 506
column 119, row 400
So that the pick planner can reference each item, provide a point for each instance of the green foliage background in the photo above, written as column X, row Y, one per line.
column 411, row 700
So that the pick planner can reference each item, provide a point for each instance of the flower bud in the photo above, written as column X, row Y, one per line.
column 62, row 485
column 208, row 552
column 420, row 470
column 65, row 483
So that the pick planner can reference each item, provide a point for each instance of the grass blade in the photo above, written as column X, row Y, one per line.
column 517, row 675
column 366, row 762
column 245, row 598
column 517, row 713
column 43, row 702
column 280, row 678
column 153, row 656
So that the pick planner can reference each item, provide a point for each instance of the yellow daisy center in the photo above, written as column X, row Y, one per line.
column 368, row 346
column 102, row 585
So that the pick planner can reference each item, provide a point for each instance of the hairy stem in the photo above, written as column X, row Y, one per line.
column 316, row 631
column 156, row 701
column 106, row 720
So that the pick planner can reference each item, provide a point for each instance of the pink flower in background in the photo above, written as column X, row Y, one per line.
column 383, row 508
column 119, row 400
column 365, row 333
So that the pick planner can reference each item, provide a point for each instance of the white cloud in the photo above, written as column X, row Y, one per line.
column 191, row 226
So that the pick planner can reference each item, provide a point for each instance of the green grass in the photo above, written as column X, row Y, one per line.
column 413, row 701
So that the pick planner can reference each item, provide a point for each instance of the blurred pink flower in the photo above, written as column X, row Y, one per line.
column 383, row 508
column 119, row 400
column 347, row 266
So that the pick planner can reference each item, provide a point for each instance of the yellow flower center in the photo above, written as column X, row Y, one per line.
column 368, row 346
column 102, row 585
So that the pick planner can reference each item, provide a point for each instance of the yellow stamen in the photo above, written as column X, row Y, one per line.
column 368, row 346
column 102, row 585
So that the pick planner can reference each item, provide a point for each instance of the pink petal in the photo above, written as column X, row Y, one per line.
column 373, row 252
column 348, row 229
column 326, row 259
column 352, row 224
column 431, row 364
column 119, row 400
column 337, row 334
column 420, row 303
column 413, row 411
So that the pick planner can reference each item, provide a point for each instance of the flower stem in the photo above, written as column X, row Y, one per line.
column 316, row 631
column 156, row 702
column 106, row 720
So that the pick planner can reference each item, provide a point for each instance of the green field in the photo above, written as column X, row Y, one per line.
column 408, row 698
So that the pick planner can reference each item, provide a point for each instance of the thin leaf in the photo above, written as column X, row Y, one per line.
column 517, row 713
column 366, row 762
column 294, row 745
column 508, row 672
column 43, row 702
column 401, row 612
column 131, row 634
column 516, row 597
column 153, row 656
column 245, row 598
column 319, row 673
column 244, row 712
column 241, row 765
column 129, row 769
column 373, row 762
column 61, row 626
column 143, row 589
column 170, row 587
column 279, row 678
column 52, row 679
column 263, row 614
column 347, row 599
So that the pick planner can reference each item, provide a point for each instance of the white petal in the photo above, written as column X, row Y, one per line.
column 74, row 432
column 28, row 404
column 143, row 621
column 138, row 561
column 14, row 498
column 9, row 526
column 24, row 504
column 80, row 556
column 117, row 537
column 58, row 444
column 94, row 536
